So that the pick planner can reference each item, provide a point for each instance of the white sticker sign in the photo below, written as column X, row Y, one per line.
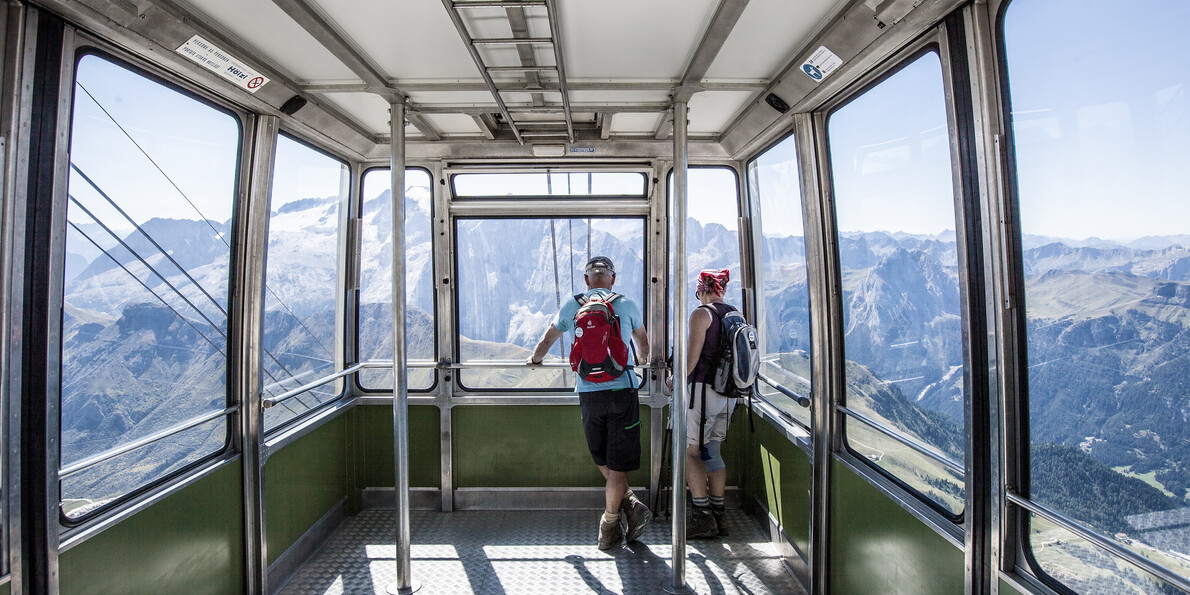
column 220, row 62
column 821, row 63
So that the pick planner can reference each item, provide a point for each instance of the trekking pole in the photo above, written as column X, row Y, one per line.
column 657, row 499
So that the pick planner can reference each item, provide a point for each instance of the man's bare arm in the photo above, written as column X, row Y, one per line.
column 543, row 346
column 641, row 338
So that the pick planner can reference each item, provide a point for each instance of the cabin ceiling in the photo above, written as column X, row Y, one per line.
column 622, row 61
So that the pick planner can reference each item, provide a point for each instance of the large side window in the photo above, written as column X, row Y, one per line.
column 1100, row 125
column 895, row 211
column 773, row 179
column 301, row 325
column 144, row 322
column 376, row 286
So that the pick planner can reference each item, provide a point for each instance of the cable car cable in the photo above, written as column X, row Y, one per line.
column 206, row 220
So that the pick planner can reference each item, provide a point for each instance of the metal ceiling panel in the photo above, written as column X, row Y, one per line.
column 410, row 40
column 643, row 124
column 454, row 124
column 369, row 109
column 767, row 35
column 711, row 111
column 260, row 24
column 655, row 42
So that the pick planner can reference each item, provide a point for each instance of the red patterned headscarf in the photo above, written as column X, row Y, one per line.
column 712, row 281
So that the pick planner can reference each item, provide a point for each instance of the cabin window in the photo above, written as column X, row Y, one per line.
column 774, row 181
column 601, row 184
column 301, row 323
column 376, row 287
column 151, row 190
column 890, row 164
column 513, row 275
column 1100, row 125
column 712, row 230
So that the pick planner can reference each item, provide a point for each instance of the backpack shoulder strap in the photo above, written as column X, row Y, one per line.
column 581, row 298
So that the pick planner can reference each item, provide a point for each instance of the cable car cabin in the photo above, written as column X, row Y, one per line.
column 275, row 272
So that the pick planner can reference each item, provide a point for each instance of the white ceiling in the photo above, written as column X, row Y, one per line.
column 642, row 49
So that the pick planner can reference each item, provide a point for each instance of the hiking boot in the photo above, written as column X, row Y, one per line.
column 701, row 524
column 636, row 516
column 720, row 515
column 609, row 533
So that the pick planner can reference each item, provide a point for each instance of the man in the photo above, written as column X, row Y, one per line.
column 610, row 409
column 708, row 413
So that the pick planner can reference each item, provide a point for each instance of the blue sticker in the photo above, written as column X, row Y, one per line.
column 812, row 71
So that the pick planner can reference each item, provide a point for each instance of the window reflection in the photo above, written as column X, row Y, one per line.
column 891, row 168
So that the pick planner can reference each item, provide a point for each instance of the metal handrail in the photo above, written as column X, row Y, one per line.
column 107, row 455
column 1112, row 547
column 515, row 363
column 267, row 402
column 799, row 399
column 913, row 443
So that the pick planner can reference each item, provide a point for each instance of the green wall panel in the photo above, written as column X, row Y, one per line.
column 375, row 446
column 878, row 547
column 304, row 481
column 190, row 542
column 530, row 446
column 779, row 475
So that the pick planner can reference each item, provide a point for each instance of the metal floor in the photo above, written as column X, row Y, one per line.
column 548, row 552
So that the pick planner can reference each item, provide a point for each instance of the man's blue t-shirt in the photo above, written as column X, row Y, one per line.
column 630, row 320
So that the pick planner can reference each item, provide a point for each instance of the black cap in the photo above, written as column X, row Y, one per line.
column 600, row 262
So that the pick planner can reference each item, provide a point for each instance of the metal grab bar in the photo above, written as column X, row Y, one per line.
column 267, row 402
column 486, row 364
column 107, row 455
column 799, row 399
column 1112, row 547
column 912, row 443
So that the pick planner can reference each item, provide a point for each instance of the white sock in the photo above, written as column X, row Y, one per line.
column 610, row 516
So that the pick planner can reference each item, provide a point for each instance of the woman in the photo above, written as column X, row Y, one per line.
column 708, row 413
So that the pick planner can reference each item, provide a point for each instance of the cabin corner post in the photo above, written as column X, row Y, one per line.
column 249, row 299
column 404, row 583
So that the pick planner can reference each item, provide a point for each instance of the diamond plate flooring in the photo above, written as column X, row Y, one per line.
column 547, row 552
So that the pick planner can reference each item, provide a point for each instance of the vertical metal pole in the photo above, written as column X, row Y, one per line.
column 246, row 322
column 404, row 583
column 677, row 405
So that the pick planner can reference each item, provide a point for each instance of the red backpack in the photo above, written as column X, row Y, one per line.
column 599, row 354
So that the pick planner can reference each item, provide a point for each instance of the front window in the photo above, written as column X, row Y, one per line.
column 513, row 275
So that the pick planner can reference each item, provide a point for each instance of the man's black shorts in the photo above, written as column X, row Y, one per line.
column 611, row 422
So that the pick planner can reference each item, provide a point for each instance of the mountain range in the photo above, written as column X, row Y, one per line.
column 1108, row 322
